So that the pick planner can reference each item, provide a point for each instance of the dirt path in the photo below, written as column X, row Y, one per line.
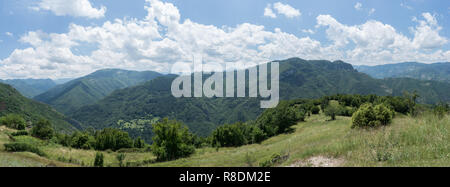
column 319, row 161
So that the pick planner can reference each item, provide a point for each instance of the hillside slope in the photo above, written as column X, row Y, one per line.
column 30, row 87
column 437, row 71
column 11, row 101
column 298, row 79
column 91, row 88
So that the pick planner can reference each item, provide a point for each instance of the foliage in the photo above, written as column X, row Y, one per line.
column 441, row 110
column 231, row 135
column 20, row 133
column 121, row 157
column 333, row 109
column 369, row 115
column 99, row 159
column 171, row 140
column 23, row 147
column 13, row 121
column 273, row 160
column 277, row 120
column 113, row 139
column 315, row 110
column 43, row 130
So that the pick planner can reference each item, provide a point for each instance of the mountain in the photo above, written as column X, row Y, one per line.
column 30, row 87
column 11, row 101
column 437, row 71
column 91, row 88
column 298, row 79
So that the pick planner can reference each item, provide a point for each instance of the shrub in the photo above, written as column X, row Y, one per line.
column 42, row 130
column 20, row 133
column 277, row 120
column 315, row 110
column 23, row 147
column 171, row 140
column 13, row 121
column 113, row 139
column 98, row 161
column 121, row 157
column 81, row 140
column 273, row 160
column 369, row 115
column 230, row 135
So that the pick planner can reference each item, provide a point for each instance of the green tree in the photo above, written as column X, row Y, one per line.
column 139, row 143
column 43, row 130
column 98, row 161
column 333, row 109
column 113, row 139
column 121, row 157
column 13, row 121
column 171, row 140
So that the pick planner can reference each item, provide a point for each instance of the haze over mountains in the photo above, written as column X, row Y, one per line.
column 436, row 71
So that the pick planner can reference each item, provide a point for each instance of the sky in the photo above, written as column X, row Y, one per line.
column 66, row 39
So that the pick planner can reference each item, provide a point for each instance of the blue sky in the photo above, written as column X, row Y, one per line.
column 341, row 33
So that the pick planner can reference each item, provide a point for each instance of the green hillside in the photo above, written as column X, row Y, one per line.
column 91, row 88
column 421, row 141
column 437, row 71
column 298, row 79
column 11, row 101
column 30, row 87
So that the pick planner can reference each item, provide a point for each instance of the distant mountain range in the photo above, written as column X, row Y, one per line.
column 298, row 79
column 436, row 71
column 11, row 101
column 86, row 90
column 30, row 87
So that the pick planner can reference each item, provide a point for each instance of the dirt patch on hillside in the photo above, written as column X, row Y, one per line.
column 319, row 161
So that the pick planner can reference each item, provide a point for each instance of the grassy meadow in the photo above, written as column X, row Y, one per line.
column 420, row 141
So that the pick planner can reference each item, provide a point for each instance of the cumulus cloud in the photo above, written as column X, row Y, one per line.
column 377, row 43
column 286, row 10
column 268, row 12
column 358, row 6
column 75, row 8
column 9, row 34
column 162, row 39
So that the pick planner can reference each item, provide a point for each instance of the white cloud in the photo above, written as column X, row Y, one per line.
column 358, row 6
column 406, row 6
column 309, row 31
column 371, row 11
column 162, row 39
column 286, row 10
column 9, row 34
column 268, row 12
column 75, row 8
column 378, row 43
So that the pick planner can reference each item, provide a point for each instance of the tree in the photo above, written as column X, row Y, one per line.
column 43, row 130
column 171, row 140
column 13, row 121
column 113, row 139
column 278, row 120
column 412, row 102
column 139, row 143
column 98, row 161
column 333, row 109
column 121, row 157
column 230, row 135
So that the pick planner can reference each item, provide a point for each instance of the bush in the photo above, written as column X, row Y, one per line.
column 369, row 115
column 13, row 121
column 113, row 139
column 315, row 110
column 81, row 140
column 277, row 120
column 230, row 135
column 42, row 130
column 171, row 140
column 273, row 160
column 23, row 147
column 98, row 161
column 20, row 133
